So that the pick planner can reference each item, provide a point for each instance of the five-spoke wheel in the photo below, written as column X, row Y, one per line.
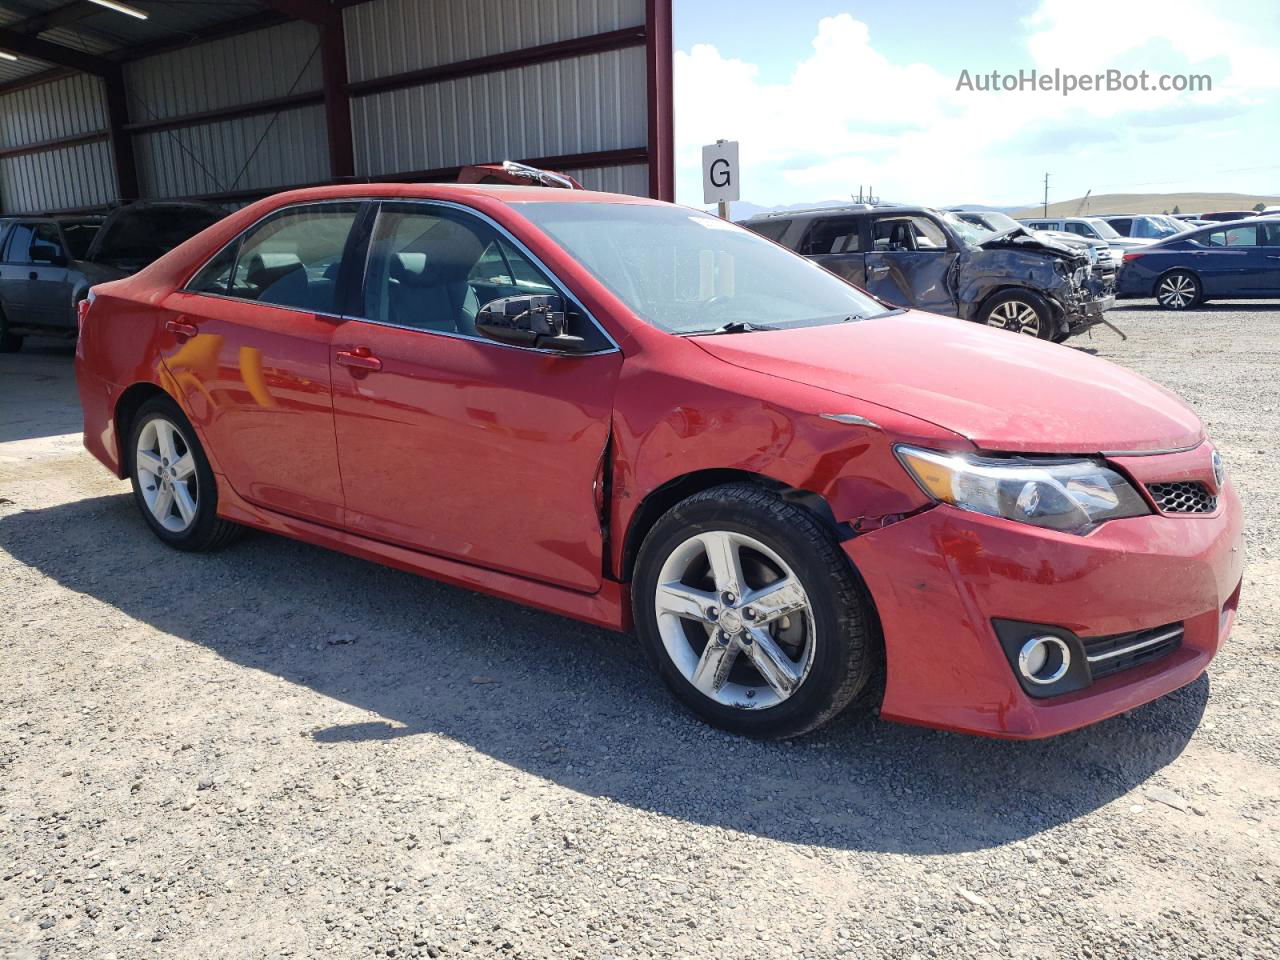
column 172, row 480
column 752, row 614
column 735, row 619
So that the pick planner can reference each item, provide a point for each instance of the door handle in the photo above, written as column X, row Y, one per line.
column 180, row 328
column 878, row 270
column 359, row 358
column 1272, row 256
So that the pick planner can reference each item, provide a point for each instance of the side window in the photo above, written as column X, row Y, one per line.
column 433, row 269
column 46, row 243
column 896, row 234
column 834, row 235
column 1235, row 237
column 1272, row 234
column 79, row 236
column 293, row 258
column 216, row 275
column 772, row 229
column 1124, row 225
column 18, row 249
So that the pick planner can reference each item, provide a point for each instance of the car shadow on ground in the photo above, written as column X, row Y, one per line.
column 577, row 705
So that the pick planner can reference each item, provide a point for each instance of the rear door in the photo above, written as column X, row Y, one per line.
column 909, row 263
column 1271, row 256
column 838, row 244
column 247, row 345
column 457, row 445
column 1233, row 263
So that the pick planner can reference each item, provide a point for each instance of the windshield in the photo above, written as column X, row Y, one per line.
column 970, row 232
column 134, row 238
column 683, row 271
column 1105, row 230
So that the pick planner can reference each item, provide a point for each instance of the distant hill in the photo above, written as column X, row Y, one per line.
column 1150, row 203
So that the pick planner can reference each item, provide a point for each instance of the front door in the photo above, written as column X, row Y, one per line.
column 457, row 445
column 249, row 355
column 909, row 264
column 34, row 287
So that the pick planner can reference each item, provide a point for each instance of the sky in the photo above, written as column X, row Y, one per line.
column 826, row 96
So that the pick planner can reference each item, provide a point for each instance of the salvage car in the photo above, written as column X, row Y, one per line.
column 641, row 415
column 48, row 264
column 917, row 257
column 1226, row 261
column 1145, row 226
column 1094, row 228
column 1105, row 258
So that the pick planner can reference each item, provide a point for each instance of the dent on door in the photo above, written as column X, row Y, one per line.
column 913, row 278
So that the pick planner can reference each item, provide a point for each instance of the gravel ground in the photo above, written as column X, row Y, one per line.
column 277, row 751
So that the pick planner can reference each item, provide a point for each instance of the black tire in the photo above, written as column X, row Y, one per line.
column 206, row 531
column 9, row 342
column 846, row 649
column 1179, row 290
column 1001, row 309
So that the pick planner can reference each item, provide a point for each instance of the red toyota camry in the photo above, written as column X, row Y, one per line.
column 645, row 417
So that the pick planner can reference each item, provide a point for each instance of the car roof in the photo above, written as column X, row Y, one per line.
column 840, row 211
column 502, row 192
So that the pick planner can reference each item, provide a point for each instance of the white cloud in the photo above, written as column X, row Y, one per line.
column 848, row 115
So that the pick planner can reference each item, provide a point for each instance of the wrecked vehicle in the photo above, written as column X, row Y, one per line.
column 917, row 257
column 508, row 171
column 49, row 263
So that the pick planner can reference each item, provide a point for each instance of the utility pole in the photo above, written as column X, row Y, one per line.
column 1046, row 195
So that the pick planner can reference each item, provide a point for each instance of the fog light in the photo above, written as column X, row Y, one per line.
column 1044, row 660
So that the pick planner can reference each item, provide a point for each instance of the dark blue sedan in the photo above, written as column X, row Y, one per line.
column 1226, row 261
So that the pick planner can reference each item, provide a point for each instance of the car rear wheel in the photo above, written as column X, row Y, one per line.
column 1179, row 290
column 9, row 342
column 1019, row 311
column 752, row 615
column 173, row 483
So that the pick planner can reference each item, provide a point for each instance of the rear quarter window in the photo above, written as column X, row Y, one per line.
column 771, row 229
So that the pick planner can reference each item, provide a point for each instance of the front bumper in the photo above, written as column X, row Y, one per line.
column 941, row 578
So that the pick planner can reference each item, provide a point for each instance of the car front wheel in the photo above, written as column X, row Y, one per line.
column 1019, row 311
column 1179, row 290
column 173, row 483
column 752, row 615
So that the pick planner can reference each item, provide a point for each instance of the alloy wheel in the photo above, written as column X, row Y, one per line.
column 735, row 620
column 1016, row 316
column 1176, row 291
column 167, row 475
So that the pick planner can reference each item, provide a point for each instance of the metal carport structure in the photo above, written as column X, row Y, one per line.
column 229, row 101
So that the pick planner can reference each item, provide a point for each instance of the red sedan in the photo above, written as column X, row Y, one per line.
column 643, row 416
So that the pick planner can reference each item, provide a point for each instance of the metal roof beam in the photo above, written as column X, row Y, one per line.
column 29, row 46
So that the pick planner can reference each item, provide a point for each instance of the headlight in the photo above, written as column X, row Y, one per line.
column 1069, row 495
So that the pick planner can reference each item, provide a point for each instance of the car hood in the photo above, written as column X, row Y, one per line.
column 1024, row 239
column 1004, row 392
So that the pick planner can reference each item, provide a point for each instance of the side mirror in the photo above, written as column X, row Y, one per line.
column 47, row 253
column 528, row 321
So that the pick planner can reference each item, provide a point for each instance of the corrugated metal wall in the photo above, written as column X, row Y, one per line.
column 395, row 36
column 588, row 103
column 224, row 73
column 74, row 176
column 580, row 105
column 260, row 152
column 266, row 151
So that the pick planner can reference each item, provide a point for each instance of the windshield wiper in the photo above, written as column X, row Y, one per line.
column 733, row 326
column 885, row 313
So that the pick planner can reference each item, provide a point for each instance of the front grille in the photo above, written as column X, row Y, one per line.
column 1108, row 655
column 1185, row 496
